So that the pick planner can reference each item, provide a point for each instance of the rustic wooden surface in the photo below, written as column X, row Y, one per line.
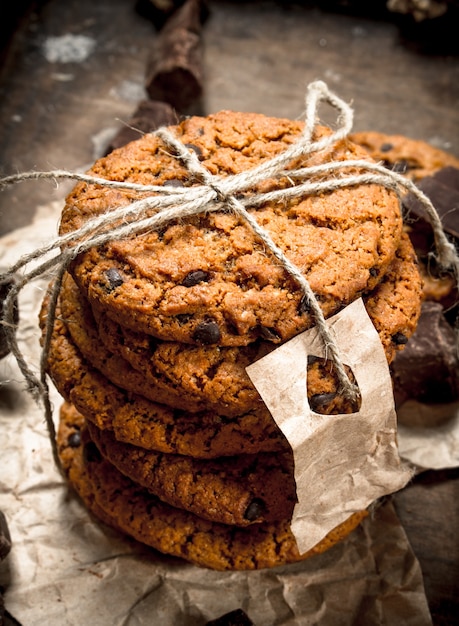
column 401, row 77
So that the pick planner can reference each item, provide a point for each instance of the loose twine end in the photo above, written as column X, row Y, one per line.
column 159, row 205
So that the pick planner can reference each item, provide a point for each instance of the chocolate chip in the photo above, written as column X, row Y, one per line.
column 114, row 278
column 195, row 149
column 91, row 453
column 374, row 271
column 312, row 358
column 386, row 147
column 173, row 182
column 207, row 332
column 399, row 339
column 269, row 334
column 319, row 401
column 255, row 510
column 74, row 439
column 183, row 318
column 195, row 277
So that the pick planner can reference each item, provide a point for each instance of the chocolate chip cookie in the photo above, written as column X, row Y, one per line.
column 411, row 157
column 210, row 378
column 208, row 279
column 240, row 490
column 126, row 506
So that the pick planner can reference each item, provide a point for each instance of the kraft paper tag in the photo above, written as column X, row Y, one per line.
column 343, row 462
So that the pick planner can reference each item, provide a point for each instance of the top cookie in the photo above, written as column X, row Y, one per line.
column 208, row 279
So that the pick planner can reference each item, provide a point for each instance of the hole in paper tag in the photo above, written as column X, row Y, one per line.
column 327, row 400
column 343, row 462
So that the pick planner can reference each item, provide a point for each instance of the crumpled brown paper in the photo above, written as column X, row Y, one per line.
column 67, row 568
column 343, row 463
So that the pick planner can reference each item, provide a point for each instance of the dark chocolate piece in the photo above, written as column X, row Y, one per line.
column 195, row 277
column 255, row 510
column 5, row 538
column 269, row 334
column 399, row 339
column 148, row 117
column 207, row 332
column 443, row 191
column 238, row 617
column 114, row 278
column 196, row 149
column 174, row 72
column 74, row 439
column 174, row 182
column 427, row 369
column 319, row 401
column 5, row 287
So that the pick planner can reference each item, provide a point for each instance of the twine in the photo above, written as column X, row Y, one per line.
column 214, row 193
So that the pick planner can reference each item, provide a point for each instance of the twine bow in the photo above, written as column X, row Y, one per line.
column 163, row 204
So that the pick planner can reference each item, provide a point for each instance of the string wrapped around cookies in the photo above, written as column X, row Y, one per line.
column 239, row 194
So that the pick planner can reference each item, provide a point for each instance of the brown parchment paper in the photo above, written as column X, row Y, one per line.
column 65, row 568
column 345, row 462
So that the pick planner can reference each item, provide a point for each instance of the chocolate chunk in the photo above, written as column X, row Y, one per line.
column 175, row 72
column 207, row 332
column 149, row 116
column 74, row 439
column 114, row 278
column 448, row 176
column 174, row 182
column 399, row 339
column 427, row 369
column 183, row 318
column 234, row 618
column 195, row 277
column 445, row 200
column 91, row 453
column 386, row 147
column 5, row 538
column 374, row 271
column 269, row 334
column 5, row 286
column 196, row 149
column 255, row 510
column 319, row 401
column 443, row 191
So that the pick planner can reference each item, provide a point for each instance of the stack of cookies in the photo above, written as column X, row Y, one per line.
column 162, row 433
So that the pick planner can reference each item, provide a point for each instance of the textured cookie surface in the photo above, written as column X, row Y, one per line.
column 208, row 279
column 137, row 420
column 122, row 504
column 238, row 490
column 197, row 378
